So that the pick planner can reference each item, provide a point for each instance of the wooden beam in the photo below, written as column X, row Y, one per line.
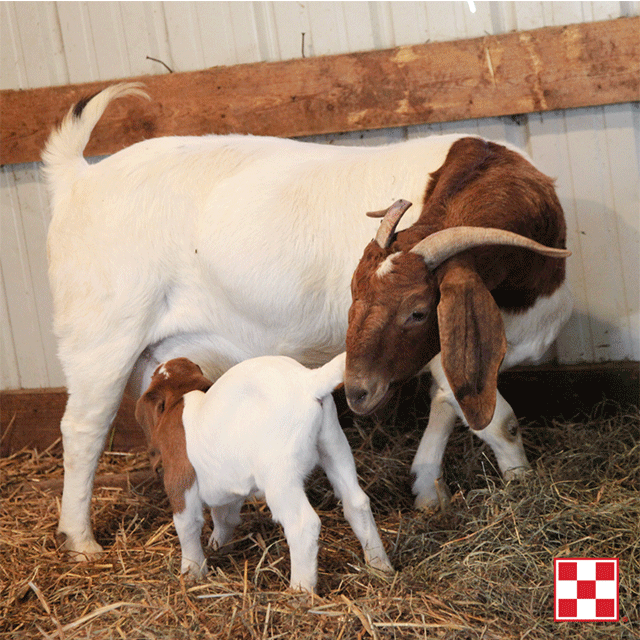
column 30, row 418
column 572, row 391
column 119, row 480
column 543, row 69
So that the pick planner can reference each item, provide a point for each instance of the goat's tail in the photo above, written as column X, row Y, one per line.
column 62, row 155
column 328, row 377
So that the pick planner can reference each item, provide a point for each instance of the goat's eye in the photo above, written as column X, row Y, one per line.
column 417, row 317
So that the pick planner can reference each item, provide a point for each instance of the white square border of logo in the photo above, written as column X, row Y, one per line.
column 614, row 618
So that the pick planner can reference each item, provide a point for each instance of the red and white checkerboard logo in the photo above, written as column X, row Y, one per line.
column 586, row 589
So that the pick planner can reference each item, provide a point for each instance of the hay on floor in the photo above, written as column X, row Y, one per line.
column 482, row 569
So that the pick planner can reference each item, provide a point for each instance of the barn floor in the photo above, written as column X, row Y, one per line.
column 482, row 569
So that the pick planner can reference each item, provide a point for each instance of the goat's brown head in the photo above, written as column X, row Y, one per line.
column 169, row 383
column 420, row 292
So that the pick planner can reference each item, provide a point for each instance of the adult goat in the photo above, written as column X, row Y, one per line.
column 215, row 248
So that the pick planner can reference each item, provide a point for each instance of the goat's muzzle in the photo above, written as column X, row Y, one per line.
column 365, row 395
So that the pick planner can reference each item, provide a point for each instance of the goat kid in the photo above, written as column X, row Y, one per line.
column 262, row 427
column 475, row 284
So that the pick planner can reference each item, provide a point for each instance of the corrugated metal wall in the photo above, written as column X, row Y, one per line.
column 594, row 153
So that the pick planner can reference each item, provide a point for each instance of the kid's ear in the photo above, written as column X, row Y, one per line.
column 203, row 384
column 472, row 341
column 191, row 378
column 149, row 409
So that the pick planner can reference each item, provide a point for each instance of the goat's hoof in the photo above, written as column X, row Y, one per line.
column 436, row 497
column 84, row 551
column 302, row 588
column 194, row 574
column 190, row 578
column 516, row 473
column 221, row 546
column 426, row 503
column 381, row 564
column 303, row 598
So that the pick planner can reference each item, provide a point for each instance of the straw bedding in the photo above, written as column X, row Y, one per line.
column 482, row 569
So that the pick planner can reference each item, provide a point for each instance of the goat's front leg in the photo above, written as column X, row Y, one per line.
column 429, row 487
column 337, row 461
column 225, row 519
column 188, row 523
column 503, row 435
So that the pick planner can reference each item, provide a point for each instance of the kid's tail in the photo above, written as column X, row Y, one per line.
column 62, row 155
column 328, row 377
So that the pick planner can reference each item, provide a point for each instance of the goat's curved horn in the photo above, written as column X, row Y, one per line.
column 440, row 246
column 389, row 222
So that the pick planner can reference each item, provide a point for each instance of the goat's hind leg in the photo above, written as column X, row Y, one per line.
column 290, row 507
column 337, row 461
column 225, row 519
column 95, row 382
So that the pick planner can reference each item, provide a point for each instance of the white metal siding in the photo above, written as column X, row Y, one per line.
column 593, row 153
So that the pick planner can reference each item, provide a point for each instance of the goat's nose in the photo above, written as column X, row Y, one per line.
column 361, row 400
column 356, row 396
column 365, row 395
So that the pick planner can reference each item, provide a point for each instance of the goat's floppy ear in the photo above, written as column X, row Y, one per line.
column 203, row 384
column 149, row 408
column 472, row 341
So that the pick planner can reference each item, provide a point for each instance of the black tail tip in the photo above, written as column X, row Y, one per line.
column 81, row 104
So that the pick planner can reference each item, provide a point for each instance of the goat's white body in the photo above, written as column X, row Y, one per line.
column 217, row 248
column 258, row 414
column 228, row 247
column 532, row 332
column 263, row 427
column 245, row 244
